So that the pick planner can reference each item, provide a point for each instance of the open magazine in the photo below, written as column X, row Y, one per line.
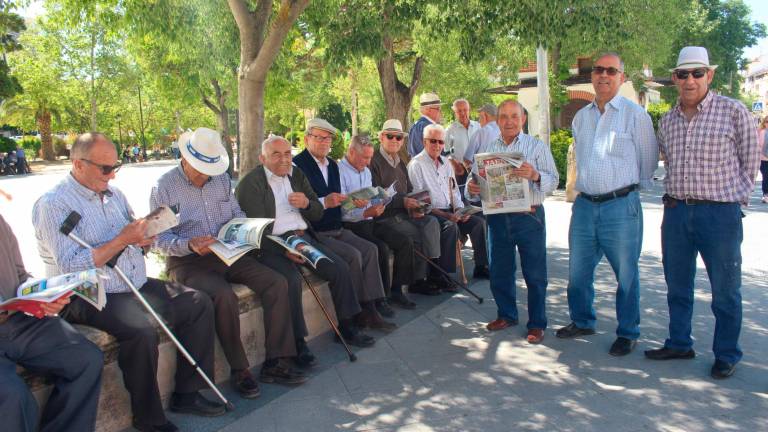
column 161, row 219
column 31, row 294
column 374, row 194
column 501, row 191
column 238, row 237
column 300, row 247
column 467, row 210
column 424, row 199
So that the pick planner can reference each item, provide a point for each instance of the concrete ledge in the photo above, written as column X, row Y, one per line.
column 114, row 402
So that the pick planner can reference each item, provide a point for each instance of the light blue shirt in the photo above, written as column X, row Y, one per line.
column 614, row 149
column 485, row 136
column 535, row 153
column 457, row 138
column 352, row 180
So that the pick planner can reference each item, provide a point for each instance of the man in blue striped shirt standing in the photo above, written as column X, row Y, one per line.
column 525, row 231
column 616, row 155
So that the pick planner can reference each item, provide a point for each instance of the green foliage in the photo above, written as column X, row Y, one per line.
column 338, row 148
column 656, row 110
column 335, row 114
column 31, row 144
column 559, row 141
column 7, row 144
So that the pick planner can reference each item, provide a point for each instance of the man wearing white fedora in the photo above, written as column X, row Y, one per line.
column 429, row 107
column 711, row 156
column 200, row 190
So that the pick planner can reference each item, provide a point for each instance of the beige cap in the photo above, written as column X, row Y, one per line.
column 318, row 123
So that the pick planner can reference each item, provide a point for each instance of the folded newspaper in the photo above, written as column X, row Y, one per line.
column 300, row 247
column 161, row 219
column 424, row 199
column 374, row 194
column 501, row 190
column 238, row 237
column 33, row 293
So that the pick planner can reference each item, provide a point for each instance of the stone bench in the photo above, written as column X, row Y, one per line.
column 114, row 403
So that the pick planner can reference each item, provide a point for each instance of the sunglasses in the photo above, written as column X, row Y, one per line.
column 683, row 74
column 611, row 71
column 105, row 169
column 435, row 141
column 394, row 137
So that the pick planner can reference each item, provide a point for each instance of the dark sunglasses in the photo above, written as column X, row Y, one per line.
column 683, row 74
column 105, row 169
column 435, row 141
column 611, row 71
column 394, row 137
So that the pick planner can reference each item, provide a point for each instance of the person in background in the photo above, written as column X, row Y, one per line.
column 762, row 140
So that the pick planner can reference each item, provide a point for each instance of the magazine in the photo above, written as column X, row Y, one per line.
column 373, row 194
column 300, row 247
column 424, row 199
column 501, row 191
column 31, row 294
column 161, row 219
column 238, row 237
column 467, row 210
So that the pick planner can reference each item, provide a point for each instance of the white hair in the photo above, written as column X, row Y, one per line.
column 433, row 127
column 266, row 146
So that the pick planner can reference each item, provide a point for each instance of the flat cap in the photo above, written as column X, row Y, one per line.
column 318, row 123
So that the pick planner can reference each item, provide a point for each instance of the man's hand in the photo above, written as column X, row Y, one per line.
column 53, row 308
column 298, row 200
column 334, row 199
column 473, row 187
column 410, row 203
column 465, row 218
column 298, row 259
column 374, row 211
column 527, row 171
column 201, row 245
column 135, row 234
column 360, row 203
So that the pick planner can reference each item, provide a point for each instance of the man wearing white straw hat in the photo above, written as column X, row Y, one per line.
column 711, row 156
column 429, row 107
column 200, row 190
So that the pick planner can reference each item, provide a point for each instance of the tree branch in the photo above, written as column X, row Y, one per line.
column 261, row 15
column 286, row 16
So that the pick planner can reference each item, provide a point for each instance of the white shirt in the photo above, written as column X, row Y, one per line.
column 428, row 174
column 457, row 138
column 323, row 165
column 287, row 217
column 485, row 136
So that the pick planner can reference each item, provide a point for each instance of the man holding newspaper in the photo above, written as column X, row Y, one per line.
column 527, row 171
column 200, row 189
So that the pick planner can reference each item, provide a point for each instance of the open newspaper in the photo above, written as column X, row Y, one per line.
column 424, row 199
column 374, row 194
column 33, row 293
column 160, row 219
column 238, row 237
column 501, row 191
column 300, row 247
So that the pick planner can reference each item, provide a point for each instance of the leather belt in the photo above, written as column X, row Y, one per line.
column 694, row 201
column 618, row 193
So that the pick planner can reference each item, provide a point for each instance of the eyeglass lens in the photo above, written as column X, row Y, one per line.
column 683, row 74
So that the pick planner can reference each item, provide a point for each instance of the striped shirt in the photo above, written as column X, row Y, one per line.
column 535, row 153
column 614, row 149
column 352, row 180
column 715, row 156
column 103, row 216
column 437, row 177
column 202, row 210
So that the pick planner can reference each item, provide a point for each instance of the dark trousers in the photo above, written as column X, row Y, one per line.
column 210, row 275
column 188, row 312
column 476, row 230
column 390, row 242
column 279, row 263
column 764, row 174
column 526, row 233
column 51, row 346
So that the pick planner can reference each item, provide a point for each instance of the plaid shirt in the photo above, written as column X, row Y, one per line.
column 713, row 157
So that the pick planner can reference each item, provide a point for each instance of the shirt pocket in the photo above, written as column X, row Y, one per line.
column 621, row 145
column 223, row 211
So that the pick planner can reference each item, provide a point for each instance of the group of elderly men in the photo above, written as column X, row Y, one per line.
column 709, row 146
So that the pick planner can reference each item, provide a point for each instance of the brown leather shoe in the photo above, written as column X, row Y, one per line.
column 535, row 336
column 374, row 321
column 500, row 324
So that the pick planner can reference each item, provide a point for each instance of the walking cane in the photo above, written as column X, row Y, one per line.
column 352, row 356
column 451, row 280
column 67, row 226
column 459, row 258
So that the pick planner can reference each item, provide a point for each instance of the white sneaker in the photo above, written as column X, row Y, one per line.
column 765, row 199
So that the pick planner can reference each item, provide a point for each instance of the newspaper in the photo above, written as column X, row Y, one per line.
column 300, row 247
column 501, row 191
column 238, row 237
column 424, row 199
column 161, row 219
column 374, row 194
column 31, row 294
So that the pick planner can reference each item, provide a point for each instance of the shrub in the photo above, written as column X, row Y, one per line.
column 60, row 147
column 656, row 110
column 7, row 144
column 32, row 145
column 338, row 147
column 559, row 141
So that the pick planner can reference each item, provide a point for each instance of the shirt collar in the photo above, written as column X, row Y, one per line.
column 345, row 162
column 270, row 174
column 613, row 103
column 85, row 192
column 701, row 106
column 394, row 161
column 320, row 162
column 184, row 177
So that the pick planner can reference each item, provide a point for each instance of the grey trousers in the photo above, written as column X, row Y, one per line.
column 425, row 233
column 362, row 257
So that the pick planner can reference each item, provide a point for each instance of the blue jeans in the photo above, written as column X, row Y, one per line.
column 613, row 228
column 714, row 231
column 526, row 232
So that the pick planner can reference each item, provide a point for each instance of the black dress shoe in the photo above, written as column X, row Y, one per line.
column 357, row 338
column 669, row 354
column 622, row 346
column 244, row 384
column 481, row 272
column 384, row 309
column 281, row 373
column 571, row 331
column 401, row 300
column 304, row 357
column 165, row 427
column 722, row 369
column 372, row 320
column 424, row 288
column 197, row 404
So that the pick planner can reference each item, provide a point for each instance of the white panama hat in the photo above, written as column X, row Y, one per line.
column 202, row 149
column 692, row 57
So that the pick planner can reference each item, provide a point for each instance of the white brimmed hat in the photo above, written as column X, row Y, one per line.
column 202, row 149
column 429, row 99
column 393, row 126
column 692, row 57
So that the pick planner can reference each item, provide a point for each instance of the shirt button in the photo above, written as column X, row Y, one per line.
column 685, row 178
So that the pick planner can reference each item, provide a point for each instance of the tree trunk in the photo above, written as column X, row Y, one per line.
column 223, row 121
column 94, row 109
column 44, row 125
column 252, row 121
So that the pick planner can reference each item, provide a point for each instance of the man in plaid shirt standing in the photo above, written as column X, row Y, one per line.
column 711, row 156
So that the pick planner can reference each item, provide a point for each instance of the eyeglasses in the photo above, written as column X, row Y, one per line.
column 105, row 169
column 394, row 137
column 611, row 71
column 322, row 138
column 435, row 141
column 683, row 74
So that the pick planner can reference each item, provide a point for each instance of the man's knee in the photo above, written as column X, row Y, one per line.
column 17, row 405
